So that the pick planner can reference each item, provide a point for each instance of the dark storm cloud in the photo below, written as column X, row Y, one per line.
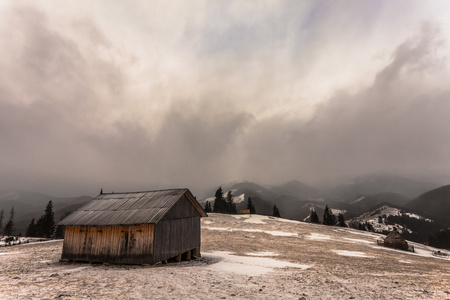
column 78, row 111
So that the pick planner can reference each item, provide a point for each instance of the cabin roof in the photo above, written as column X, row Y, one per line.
column 129, row 208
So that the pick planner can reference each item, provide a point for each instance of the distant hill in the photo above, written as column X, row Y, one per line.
column 376, row 184
column 295, row 199
column 434, row 204
column 371, row 202
column 385, row 218
column 28, row 205
column 300, row 191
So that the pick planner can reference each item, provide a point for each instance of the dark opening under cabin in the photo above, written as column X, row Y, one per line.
column 134, row 228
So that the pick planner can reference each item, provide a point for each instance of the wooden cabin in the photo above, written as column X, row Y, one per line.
column 134, row 228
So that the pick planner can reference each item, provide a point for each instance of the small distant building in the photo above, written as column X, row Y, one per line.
column 134, row 228
column 244, row 211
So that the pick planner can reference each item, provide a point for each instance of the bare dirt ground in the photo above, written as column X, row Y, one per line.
column 246, row 257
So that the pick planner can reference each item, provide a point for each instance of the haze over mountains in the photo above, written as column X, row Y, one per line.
column 28, row 205
column 385, row 201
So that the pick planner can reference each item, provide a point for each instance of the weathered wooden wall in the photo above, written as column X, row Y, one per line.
column 178, row 231
column 176, row 236
column 182, row 209
column 114, row 244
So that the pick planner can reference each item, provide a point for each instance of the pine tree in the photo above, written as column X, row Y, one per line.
column 9, row 227
column 1, row 222
column 314, row 218
column 250, row 206
column 328, row 217
column 207, row 207
column 276, row 212
column 231, row 206
column 59, row 232
column 46, row 223
column 341, row 220
column 219, row 201
column 31, row 230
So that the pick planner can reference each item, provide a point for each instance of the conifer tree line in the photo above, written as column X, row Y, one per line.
column 1, row 222
column 276, row 212
column 328, row 218
column 8, row 229
column 226, row 204
column 441, row 239
column 45, row 225
column 222, row 204
column 251, row 206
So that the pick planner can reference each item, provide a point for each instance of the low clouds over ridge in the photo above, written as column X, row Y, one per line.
column 79, row 110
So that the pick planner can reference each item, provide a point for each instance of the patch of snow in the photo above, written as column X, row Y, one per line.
column 357, row 200
column 262, row 254
column 250, row 266
column 274, row 233
column 358, row 241
column 405, row 261
column 207, row 222
column 419, row 250
column 8, row 253
column 243, row 216
column 351, row 253
column 210, row 200
column 257, row 219
column 318, row 236
column 365, row 233
column 218, row 228
column 271, row 232
column 337, row 211
column 286, row 220
column 239, row 199
column 34, row 243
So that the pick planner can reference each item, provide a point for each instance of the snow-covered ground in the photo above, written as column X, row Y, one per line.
column 243, row 257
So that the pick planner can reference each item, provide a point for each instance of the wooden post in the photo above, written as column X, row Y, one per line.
column 187, row 255
column 178, row 258
column 196, row 252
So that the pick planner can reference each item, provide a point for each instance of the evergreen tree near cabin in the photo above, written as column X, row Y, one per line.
column 207, row 207
column 9, row 226
column 341, row 220
column 46, row 223
column 1, row 222
column 313, row 217
column 61, row 229
column 231, row 206
column 328, row 217
column 220, row 204
column 276, row 212
column 31, row 229
column 250, row 206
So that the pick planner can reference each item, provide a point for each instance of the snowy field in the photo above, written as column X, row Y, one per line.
column 243, row 257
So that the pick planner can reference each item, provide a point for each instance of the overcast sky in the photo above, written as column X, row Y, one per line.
column 137, row 95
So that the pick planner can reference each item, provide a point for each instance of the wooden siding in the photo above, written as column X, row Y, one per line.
column 176, row 236
column 182, row 209
column 115, row 244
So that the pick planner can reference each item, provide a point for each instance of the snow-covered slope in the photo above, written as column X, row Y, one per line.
column 386, row 218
